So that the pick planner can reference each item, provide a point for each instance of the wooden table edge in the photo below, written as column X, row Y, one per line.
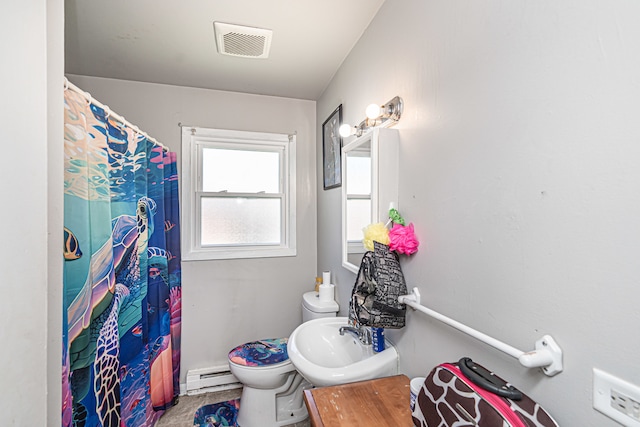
column 314, row 414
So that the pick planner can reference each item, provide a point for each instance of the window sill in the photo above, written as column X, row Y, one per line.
column 234, row 253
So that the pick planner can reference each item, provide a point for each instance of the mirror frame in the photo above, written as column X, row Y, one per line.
column 384, row 180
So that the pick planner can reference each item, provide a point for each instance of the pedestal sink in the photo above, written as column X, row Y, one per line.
column 325, row 358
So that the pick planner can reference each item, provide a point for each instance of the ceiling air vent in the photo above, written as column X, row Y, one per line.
column 247, row 42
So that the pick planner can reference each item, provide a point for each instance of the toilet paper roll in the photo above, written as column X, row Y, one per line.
column 326, row 293
column 326, row 277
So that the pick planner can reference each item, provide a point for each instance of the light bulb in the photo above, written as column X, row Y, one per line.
column 345, row 130
column 373, row 111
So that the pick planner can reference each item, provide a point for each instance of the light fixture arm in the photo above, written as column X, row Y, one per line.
column 392, row 110
column 362, row 127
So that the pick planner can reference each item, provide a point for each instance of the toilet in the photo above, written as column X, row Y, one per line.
column 272, row 394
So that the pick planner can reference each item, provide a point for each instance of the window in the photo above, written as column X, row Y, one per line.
column 238, row 195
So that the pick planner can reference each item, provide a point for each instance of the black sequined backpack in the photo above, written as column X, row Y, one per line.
column 374, row 299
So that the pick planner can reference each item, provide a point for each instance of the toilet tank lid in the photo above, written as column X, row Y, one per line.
column 311, row 301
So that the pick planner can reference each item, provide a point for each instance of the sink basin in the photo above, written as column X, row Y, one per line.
column 324, row 357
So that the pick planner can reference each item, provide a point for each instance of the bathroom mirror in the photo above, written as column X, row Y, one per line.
column 369, row 186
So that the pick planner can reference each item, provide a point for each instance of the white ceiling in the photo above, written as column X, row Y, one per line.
column 172, row 42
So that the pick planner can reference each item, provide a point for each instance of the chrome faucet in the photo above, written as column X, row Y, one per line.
column 363, row 333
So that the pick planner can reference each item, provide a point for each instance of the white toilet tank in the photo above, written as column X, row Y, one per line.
column 313, row 308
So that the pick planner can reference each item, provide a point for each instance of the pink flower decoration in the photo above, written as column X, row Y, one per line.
column 403, row 239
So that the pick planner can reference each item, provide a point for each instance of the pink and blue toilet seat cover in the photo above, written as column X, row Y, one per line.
column 260, row 353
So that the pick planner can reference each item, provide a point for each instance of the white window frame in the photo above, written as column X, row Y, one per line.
column 194, row 140
column 355, row 246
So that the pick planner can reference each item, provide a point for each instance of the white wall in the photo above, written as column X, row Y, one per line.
column 55, row 205
column 520, row 147
column 30, row 125
column 226, row 303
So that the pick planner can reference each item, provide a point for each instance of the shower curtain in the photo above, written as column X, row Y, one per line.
column 122, row 289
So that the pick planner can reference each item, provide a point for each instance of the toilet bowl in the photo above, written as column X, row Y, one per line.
column 272, row 394
column 272, row 388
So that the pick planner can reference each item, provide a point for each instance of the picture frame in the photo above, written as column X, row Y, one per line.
column 332, row 149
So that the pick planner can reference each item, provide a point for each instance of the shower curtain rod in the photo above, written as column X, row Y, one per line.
column 125, row 122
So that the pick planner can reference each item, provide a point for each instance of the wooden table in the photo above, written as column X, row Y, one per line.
column 382, row 402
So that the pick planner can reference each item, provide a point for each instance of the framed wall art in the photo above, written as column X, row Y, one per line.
column 331, row 146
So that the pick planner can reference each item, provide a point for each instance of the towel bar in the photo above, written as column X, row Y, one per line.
column 547, row 354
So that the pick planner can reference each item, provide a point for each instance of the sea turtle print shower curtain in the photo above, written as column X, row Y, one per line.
column 122, row 289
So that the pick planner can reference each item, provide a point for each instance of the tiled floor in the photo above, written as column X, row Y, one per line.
column 182, row 414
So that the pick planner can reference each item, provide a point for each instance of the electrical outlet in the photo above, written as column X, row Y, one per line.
column 625, row 404
column 616, row 398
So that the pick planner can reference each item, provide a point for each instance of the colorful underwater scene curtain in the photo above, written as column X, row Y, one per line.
column 122, row 286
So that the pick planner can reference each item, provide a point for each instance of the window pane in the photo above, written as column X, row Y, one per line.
column 358, row 175
column 237, row 221
column 358, row 217
column 240, row 171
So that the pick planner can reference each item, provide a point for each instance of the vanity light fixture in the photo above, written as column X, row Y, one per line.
column 385, row 115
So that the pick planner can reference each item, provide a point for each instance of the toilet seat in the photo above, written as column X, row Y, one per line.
column 261, row 364
column 260, row 353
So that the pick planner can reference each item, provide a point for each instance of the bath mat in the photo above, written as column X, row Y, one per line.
column 221, row 414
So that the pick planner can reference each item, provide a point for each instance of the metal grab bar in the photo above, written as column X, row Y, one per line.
column 547, row 354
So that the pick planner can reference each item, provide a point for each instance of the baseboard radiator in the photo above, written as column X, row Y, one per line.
column 217, row 378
